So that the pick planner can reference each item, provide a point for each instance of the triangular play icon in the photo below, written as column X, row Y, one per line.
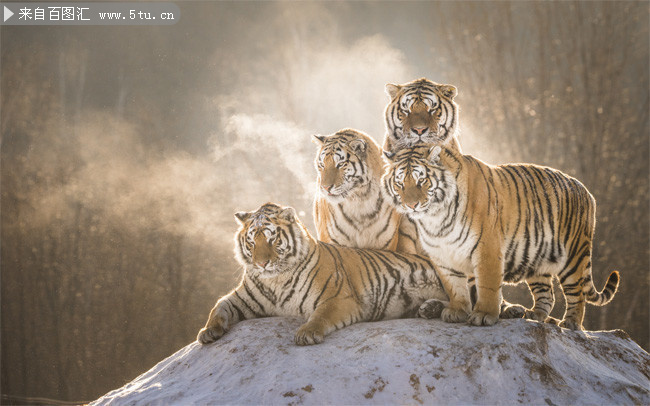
column 8, row 13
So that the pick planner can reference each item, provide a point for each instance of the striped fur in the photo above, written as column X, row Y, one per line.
column 425, row 104
column 288, row 273
column 350, row 208
column 504, row 223
column 421, row 113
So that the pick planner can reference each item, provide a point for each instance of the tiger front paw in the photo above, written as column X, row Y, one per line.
column 309, row 335
column 479, row 318
column 210, row 335
column 432, row 309
column 452, row 315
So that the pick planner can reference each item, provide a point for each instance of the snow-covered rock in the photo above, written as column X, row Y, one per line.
column 407, row 361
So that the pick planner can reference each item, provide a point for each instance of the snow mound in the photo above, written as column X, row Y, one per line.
column 406, row 361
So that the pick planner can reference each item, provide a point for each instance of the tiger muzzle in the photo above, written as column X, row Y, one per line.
column 330, row 177
column 412, row 195
column 263, row 252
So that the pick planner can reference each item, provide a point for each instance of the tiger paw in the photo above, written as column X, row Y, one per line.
column 535, row 315
column 478, row 318
column 210, row 335
column 570, row 324
column 432, row 309
column 451, row 315
column 512, row 311
column 308, row 335
column 552, row 320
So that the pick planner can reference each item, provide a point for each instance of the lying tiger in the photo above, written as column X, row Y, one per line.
column 288, row 273
column 504, row 223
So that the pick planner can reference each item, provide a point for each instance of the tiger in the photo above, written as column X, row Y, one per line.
column 349, row 208
column 421, row 112
column 501, row 224
column 289, row 273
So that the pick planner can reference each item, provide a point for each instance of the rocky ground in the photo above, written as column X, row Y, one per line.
column 405, row 361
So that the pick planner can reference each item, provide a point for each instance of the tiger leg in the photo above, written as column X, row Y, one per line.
column 489, row 276
column 572, row 282
column 407, row 236
column 455, row 285
column 541, row 288
column 228, row 311
column 328, row 317
column 508, row 310
column 471, row 285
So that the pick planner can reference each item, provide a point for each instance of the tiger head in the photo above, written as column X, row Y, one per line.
column 270, row 240
column 416, row 182
column 420, row 112
column 347, row 162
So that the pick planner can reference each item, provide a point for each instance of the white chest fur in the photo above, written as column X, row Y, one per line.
column 363, row 221
column 451, row 246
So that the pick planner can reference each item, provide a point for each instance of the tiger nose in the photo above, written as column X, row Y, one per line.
column 262, row 264
column 411, row 205
column 420, row 130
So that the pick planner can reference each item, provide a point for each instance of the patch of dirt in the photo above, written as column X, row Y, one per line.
column 539, row 332
column 433, row 350
column 414, row 380
column 308, row 388
column 243, row 381
column 379, row 386
column 364, row 349
column 544, row 373
column 283, row 350
column 296, row 398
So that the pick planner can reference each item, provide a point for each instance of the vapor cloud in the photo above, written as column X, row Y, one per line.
column 261, row 148
column 321, row 90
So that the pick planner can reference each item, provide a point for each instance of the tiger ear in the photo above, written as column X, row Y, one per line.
column 242, row 216
column 434, row 154
column 392, row 90
column 358, row 146
column 448, row 91
column 288, row 214
column 318, row 139
column 389, row 155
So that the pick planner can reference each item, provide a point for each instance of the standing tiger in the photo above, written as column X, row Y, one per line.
column 503, row 223
column 288, row 273
column 350, row 208
column 421, row 113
